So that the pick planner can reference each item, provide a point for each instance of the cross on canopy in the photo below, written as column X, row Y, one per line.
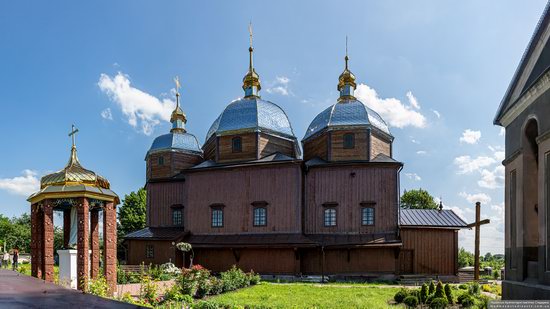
column 73, row 134
column 477, row 225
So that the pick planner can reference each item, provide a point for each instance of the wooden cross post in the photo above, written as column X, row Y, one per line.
column 477, row 224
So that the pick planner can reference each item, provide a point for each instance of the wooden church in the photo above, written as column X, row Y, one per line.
column 249, row 197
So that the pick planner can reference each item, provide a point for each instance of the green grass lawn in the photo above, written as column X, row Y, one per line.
column 303, row 295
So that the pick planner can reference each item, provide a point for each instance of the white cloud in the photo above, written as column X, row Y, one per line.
column 477, row 197
column 492, row 179
column 106, row 114
column 143, row 111
column 470, row 136
column 392, row 110
column 467, row 164
column 412, row 100
column 437, row 114
column 421, row 152
column 413, row 176
column 280, row 86
column 499, row 156
column 502, row 132
column 21, row 185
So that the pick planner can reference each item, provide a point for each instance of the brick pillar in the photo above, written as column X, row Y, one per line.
column 39, row 237
column 94, row 230
column 109, row 245
column 48, row 242
column 34, row 243
column 83, row 246
column 66, row 227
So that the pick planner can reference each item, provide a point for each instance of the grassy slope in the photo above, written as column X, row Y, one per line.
column 309, row 296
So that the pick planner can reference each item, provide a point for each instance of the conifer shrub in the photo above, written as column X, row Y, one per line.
column 449, row 293
column 439, row 292
column 400, row 296
column 424, row 293
column 431, row 289
column 467, row 301
column 411, row 301
column 474, row 288
column 438, row 303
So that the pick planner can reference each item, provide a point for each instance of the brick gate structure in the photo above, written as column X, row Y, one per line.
column 80, row 195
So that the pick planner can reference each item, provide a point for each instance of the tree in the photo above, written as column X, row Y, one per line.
column 131, row 215
column 465, row 258
column 418, row 199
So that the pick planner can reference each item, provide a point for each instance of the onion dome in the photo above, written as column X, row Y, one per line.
column 251, row 113
column 178, row 139
column 74, row 181
column 348, row 112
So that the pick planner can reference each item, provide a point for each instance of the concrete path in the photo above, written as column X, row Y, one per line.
column 21, row 291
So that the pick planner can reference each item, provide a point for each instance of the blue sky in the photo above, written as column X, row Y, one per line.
column 435, row 70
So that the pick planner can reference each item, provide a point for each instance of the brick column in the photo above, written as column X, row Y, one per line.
column 48, row 242
column 39, row 237
column 34, row 243
column 83, row 214
column 66, row 227
column 94, row 230
column 109, row 245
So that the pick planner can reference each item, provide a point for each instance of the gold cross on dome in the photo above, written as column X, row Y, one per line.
column 177, row 81
column 73, row 134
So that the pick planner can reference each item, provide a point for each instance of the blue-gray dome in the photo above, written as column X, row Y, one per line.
column 346, row 113
column 176, row 141
column 252, row 114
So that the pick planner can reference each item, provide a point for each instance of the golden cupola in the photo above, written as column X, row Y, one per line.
column 251, row 81
column 346, row 82
column 178, row 117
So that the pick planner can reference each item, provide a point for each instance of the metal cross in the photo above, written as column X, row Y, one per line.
column 73, row 133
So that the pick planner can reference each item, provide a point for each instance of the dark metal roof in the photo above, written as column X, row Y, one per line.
column 165, row 233
column 505, row 104
column 363, row 240
column 274, row 157
column 445, row 218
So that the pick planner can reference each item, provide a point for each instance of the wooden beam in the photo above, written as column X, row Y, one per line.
column 482, row 222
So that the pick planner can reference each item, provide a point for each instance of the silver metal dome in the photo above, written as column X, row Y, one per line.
column 176, row 142
column 252, row 114
column 346, row 113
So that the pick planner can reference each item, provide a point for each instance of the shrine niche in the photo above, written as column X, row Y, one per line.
column 81, row 195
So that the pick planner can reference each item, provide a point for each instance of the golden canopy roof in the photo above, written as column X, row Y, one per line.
column 346, row 78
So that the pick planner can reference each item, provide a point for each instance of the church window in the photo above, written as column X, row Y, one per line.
column 237, row 144
column 161, row 160
column 260, row 216
column 367, row 216
column 177, row 217
column 330, row 217
column 149, row 251
column 217, row 217
column 349, row 141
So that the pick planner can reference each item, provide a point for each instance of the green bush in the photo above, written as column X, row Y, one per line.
column 431, row 290
column 253, row 278
column 438, row 303
column 467, row 301
column 175, row 294
column 400, row 296
column 149, row 291
column 463, row 286
column 474, row 289
column 216, row 286
column 204, row 304
column 448, row 293
column 411, row 301
column 203, row 287
column 98, row 286
column 439, row 292
column 234, row 279
column 423, row 293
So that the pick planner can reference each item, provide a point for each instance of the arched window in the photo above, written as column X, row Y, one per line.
column 177, row 217
column 237, row 144
column 349, row 141
column 161, row 160
column 330, row 217
column 260, row 216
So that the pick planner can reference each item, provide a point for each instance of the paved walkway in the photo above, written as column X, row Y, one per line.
column 20, row 291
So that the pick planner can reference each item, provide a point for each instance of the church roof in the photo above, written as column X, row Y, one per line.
column 541, row 67
column 176, row 141
column 445, row 218
column 252, row 114
column 164, row 233
column 344, row 114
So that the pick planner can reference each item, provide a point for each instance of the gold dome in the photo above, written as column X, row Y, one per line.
column 346, row 78
column 251, row 79
column 74, row 174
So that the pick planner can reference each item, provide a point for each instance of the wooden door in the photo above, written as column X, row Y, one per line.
column 406, row 261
